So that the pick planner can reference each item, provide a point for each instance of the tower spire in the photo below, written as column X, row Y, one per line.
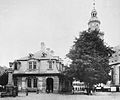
column 93, row 4
column 93, row 23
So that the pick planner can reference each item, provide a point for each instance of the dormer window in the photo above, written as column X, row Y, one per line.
column 32, row 65
column 30, row 55
column 44, row 54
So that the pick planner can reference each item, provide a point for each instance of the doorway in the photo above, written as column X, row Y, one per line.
column 49, row 85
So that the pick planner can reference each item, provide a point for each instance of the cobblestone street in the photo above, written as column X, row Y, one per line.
column 42, row 96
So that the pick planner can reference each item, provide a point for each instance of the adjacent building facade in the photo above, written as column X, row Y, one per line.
column 40, row 71
column 114, row 62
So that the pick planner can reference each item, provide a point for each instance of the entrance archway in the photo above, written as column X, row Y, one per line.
column 49, row 85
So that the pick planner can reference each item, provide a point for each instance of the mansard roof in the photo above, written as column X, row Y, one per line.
column 43, row 54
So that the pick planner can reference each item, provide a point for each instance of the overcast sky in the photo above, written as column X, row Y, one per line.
column 24, row 24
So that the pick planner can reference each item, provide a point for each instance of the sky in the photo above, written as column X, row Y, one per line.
column 24, row 24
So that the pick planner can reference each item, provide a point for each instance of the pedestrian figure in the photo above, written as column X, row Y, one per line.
column 26, row 92
column 37, row 91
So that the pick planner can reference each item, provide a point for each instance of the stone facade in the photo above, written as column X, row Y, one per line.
column 115, row 65
column 40, row 71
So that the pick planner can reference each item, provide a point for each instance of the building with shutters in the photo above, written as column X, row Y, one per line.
column 40, row 71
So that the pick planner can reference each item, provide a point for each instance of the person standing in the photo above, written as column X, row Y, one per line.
column 26, row 92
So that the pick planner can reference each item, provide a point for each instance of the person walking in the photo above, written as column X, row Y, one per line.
column 26, row 92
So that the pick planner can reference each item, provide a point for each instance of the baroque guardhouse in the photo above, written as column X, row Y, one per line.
column 40, row 71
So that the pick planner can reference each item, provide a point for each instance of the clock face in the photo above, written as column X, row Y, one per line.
column 94, row 25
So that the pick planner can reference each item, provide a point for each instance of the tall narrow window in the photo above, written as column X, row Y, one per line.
column 29, row 82
column 30, row 65
column 15, row 66
column 34, row 65
column 50, row 64
column 35, row 82
column 15, row 82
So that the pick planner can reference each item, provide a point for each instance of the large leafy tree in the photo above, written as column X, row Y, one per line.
column 90, row 59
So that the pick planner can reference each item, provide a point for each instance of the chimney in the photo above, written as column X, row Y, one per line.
column 52, row 52
column 42, row 46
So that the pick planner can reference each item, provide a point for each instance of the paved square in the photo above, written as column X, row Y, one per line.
column 44, row 96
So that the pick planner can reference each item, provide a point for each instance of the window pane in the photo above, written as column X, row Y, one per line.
column 30, row 65
column 35, row 82
column 29, row 82
column 15, row 66
column 34, row 65
column 50, row 64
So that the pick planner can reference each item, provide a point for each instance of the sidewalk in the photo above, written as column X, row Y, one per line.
column 107, row 93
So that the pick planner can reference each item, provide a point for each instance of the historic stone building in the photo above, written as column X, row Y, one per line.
column 114, row 62
column 40, row 71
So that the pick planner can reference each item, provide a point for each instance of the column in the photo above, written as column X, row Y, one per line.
column 56, row 84
column 43, row 84
column 40, row 83
column 10, row 78
column 23, row 83
column 116, row 75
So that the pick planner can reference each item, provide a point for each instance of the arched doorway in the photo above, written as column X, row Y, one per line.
column 49, row 85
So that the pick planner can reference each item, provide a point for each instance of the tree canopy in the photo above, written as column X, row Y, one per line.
column 90, row 58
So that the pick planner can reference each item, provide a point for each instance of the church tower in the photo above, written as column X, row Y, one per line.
column 94, row 22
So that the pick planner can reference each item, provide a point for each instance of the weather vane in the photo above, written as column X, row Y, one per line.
column 94, row 4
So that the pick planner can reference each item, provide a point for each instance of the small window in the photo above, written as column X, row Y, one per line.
column 34, row 65
column 15, row 66
column 30, row 65
column 50, row 64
